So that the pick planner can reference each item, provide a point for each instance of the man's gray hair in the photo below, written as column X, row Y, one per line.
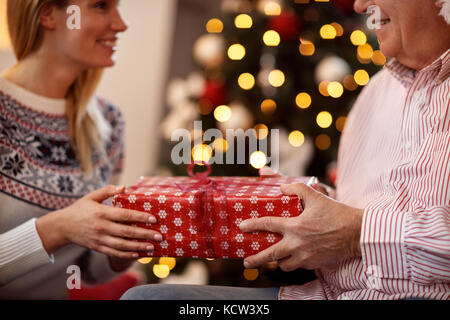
column 445, row 10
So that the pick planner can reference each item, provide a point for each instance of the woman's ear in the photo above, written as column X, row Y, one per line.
column 47, row 16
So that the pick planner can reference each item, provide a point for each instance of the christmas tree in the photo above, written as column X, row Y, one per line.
column 296, row 66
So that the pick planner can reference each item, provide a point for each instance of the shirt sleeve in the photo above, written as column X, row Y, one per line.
column 410, row 238
column 21, row 251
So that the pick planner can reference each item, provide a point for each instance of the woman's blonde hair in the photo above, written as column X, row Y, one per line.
column 24, row 29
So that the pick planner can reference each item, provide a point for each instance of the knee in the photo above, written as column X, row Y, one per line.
column 150, row 292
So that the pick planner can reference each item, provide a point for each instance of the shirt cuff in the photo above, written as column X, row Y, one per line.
column 21, row 251
column 382, row 244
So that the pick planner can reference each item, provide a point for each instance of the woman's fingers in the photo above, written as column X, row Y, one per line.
column 131, row 232
column 127, row 245
column 127, row 215
column 117, row 253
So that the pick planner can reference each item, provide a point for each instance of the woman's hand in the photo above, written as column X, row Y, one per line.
column 325, row 233
column 102, row 228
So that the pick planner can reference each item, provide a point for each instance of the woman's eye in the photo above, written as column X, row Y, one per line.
column 101, row 5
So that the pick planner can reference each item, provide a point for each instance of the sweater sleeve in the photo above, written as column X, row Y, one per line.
column 21, row 251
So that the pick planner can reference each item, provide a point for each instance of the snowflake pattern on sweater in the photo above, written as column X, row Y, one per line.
column 37, row 162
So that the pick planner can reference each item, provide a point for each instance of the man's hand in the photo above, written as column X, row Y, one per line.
column 325, row 233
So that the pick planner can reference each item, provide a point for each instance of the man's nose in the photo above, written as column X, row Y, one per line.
column 361, row 6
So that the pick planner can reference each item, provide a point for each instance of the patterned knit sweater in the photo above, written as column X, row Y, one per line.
column 39, row 173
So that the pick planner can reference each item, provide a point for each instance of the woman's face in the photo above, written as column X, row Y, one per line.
column 93, row 44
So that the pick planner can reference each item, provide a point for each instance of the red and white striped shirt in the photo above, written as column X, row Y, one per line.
column 394, row 163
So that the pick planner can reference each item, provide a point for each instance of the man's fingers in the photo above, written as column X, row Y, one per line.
column 273, row 253
column 268, row 172
column 304, row 192
column 104, row 193
column 272, row 224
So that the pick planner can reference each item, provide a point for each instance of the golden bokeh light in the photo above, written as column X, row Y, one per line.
column 246, row 81
column 251, row 274
column 303, row 100
column 272, row 9
column 201, row 152
column 349, row 83
column 276, row 78
column 222, row 113
column 271, row 38
column 324, row 119
column 361, row 77
column 261, row 130
column 358, row 38
column 161, row 270
column 307, row 48
column 340, row 123
column 214, row 26
column 339, row 29
column 268, row 106
column 170, row 262
column 378, row 58
column 335, row 89
column 258, row 159
column 328, row 32
column 365, row 51
column 243, row 21
column 323, row 142
column 296, row 138
column 220, row 145
column 323, row 88
column 236, row 52
column 145, row 260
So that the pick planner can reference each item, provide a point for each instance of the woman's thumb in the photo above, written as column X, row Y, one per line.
column 106, row 192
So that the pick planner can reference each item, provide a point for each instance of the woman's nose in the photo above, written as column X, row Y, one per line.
column 119, row 24
column 361, row 6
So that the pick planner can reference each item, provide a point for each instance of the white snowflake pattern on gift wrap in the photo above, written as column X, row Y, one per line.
column 192, row 214
column 164, row 244
column 176, row 206
column 255, row 245
column 162, row 198
column 238, row 221
column 131, row 198
column 164, row 228
column 191, row 199
column 240, row 253
column 270, row 238
column 224, row 245
column 239, row 237
column 178, row 237
column 178, row 194
column 148, row 193
column 118, row 205
column 254, row 214
column 193, row 229
column 238, row 206
column 179, row 252
column 193, row 245
column 285, row 199
column 223, row 229
column 162, row 214
column 269, row 206
column 286, row 214
column 254, row 199
column 223, row 214
column 178, row 222
column 147, row 206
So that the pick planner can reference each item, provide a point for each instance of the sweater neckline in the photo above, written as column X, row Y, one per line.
column 31, row 100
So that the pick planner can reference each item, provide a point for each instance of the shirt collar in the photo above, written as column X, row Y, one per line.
column 407, row 75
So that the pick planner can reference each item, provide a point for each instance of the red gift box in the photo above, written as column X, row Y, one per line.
column 199, row 216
